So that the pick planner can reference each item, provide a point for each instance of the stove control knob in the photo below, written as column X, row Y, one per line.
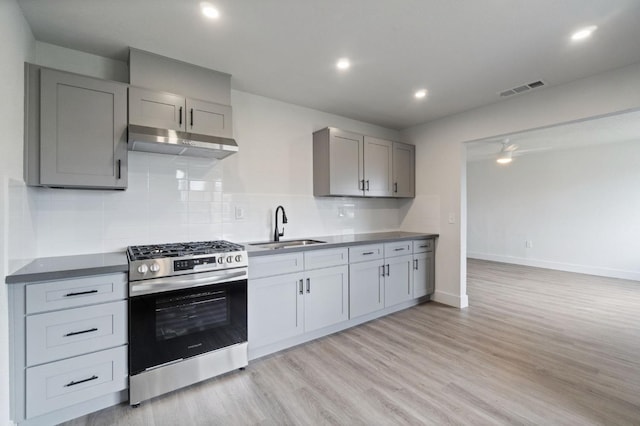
column 238, row 258
column 143, row 268
column 154, row 267
column 221, row 260
column 229, row 259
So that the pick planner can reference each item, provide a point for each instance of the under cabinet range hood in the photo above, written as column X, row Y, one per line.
column 175, row 142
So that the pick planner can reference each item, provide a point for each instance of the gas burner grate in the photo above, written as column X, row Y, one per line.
column 157, row 251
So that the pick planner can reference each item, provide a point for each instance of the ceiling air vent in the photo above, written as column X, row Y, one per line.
column 523, row 88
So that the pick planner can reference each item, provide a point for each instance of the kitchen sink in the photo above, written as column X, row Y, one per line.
column 286, row 244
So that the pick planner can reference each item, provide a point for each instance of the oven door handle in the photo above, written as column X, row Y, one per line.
column 158, row 285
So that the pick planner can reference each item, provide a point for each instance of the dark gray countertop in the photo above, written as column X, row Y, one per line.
column 55, row 268
column 335, row 241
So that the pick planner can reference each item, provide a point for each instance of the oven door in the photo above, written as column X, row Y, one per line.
column 173, row 325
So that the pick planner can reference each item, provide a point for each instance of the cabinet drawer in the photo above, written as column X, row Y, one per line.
column 325, row 258
column 64, row 383
column 398, row 248
column 421, row 246
column 265, row 266
column 365, row 253
column 63, row 334
column 63, row 294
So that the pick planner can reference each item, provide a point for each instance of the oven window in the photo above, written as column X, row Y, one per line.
column 193, row 313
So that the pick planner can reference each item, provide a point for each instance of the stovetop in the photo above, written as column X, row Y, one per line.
column 160, row 251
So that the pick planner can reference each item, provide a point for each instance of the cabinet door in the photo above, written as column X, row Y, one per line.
column 366, row 288
column 208, row 118
column 404, row 179
column 156, row 109
column 346, row 168
column 378, row 165
column 275, row 309
column 423, row 274
column 398, row 282
column 326, row 297
column 83, row 127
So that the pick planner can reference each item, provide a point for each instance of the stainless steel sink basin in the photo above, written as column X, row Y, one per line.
column 286, row 244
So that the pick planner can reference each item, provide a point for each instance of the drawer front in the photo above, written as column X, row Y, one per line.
column 422, row 246
column 324, row 258
column 366, row 253
column 398, row 248
column 265, row 266
column 63, row 294
column 63, row 334
column 64, row 383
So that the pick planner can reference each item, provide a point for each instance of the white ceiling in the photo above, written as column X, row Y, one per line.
column 618, row 128
column 463, row 51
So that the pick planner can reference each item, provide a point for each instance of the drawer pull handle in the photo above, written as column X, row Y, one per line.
column 424, row 246
column 75, row 333
column 72, row 383
column 399, row 249
column 80, row 293
column 367, row 253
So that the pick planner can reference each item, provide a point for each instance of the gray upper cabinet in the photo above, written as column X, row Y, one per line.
column 174, row 112
column 75, row 130
column 338, row 163
column 404, row 170
column 350, row 164
column 156, row 109
column 378, row 161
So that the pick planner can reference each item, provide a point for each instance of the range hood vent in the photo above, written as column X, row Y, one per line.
column 163, row 141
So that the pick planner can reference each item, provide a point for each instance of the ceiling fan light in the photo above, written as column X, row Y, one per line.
column 504, row 157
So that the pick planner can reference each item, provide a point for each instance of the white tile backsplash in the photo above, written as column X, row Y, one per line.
column 171, row 199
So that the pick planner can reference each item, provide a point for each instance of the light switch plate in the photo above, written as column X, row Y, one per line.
column 452, row 218
column 239, row 213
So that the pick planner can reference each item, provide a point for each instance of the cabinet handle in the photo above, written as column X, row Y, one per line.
column 387, row 269
column 399, row 249
column 74, row 333
column 361, row 185
column 180, row 117
column 367, row 184
column 423, row 246
column 191, row 112
column 367, row 253
column 72, row 383
column 308, row 285
column 382, row 268
column 119, row 169
column 415, row 264
column 301, row 286
column 395, row 187
column 80, row 293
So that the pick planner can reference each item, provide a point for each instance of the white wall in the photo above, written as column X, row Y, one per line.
column 16, row 45
column 579, row 208
column 184, row 199
column 440, row 157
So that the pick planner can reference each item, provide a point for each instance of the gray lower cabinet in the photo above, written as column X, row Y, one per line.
column 398, row 280
column 68, row 347
column 175, row 112
column 366, row 288
column 423, row 268
column 76, row 129
column 284, row 306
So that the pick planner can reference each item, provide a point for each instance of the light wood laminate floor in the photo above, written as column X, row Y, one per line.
column 535, row 347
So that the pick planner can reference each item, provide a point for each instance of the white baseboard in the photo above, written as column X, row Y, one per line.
column 568, row 267
column 451, row 299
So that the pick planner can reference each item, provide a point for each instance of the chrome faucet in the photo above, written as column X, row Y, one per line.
column 277, row 234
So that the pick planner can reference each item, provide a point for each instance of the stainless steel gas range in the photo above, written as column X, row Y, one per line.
column 187, row 314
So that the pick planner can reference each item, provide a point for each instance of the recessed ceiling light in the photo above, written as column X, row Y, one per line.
column 583, row 33
column 420, row 93
column 209, row 11
column 343, row 64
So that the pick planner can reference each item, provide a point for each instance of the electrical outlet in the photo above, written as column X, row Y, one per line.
column 528, row 244
column 239, row 213
column 452, row 218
